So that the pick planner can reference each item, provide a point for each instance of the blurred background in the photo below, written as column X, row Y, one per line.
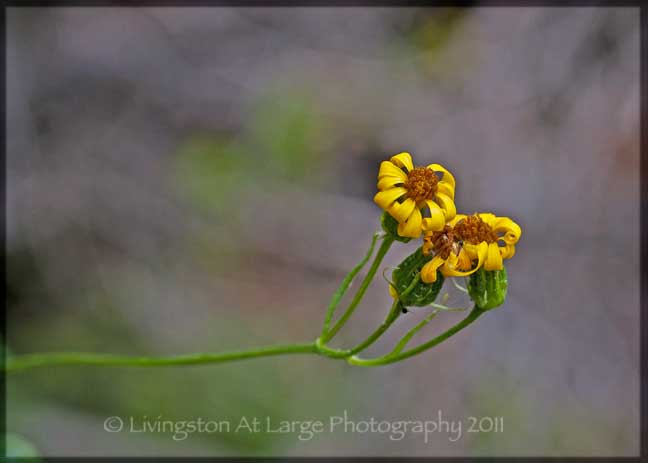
column 201, row 179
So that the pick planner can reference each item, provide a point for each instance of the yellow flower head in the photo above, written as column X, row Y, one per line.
column 405, row 190
column 468, row 243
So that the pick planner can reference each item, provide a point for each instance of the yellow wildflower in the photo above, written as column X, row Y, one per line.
column 405, row 190
column 468, row 243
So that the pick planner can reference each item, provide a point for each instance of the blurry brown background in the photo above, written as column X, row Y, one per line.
column 201, row 179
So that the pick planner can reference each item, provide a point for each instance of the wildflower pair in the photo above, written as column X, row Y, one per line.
column 421, row 201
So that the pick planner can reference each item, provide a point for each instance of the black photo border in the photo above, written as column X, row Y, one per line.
column 643, row 212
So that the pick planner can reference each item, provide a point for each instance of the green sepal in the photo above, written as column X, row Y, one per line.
column 488, row 288
column 390, row 226
column 421, row 294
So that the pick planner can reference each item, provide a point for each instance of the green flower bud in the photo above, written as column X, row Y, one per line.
column 408, row 286
column 488, row 288
column 390, row 225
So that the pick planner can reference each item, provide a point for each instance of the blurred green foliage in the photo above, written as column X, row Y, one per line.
column 212, row 171
column 289, row 131
column 18, row 447
column 437, row 29
column 429, row 44
column 281, row 142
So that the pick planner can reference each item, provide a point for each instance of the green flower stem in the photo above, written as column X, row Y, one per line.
column 339, row 293
column 391, row 318
column 327, row 351
column 391, row 358
column 28, row 361
column 388, row 240
column 410, row 334
column 393, row 314
column 23, row 362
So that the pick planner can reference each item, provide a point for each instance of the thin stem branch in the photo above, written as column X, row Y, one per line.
column 344, row 286
column 459, row 287
column 410, row 334
column 384, row 247
column 391, row 358
column 389, row 320
column 395, row 311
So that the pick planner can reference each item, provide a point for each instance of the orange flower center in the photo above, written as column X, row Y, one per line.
column 421, row 184
column 474, row 230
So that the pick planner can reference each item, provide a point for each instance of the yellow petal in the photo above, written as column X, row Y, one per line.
column 427, row 247
column 389, row 182
column 447, row 205
column 450, row 268
column 472, row 250
column 437, row 218
column 402, row 211
column 446, row 189
column 511, row 230
column 457, row 218
column 389, row 169
column 447, row 176
column 386, row 198
column 482, row 253
column 493, row 258
column 412, row 227
column 464, row 262
column 403, row 160
column 479, row 252
column 392, row 292
column 507, row 251
column 487, row 217
column 447, row 271
column 429, row 270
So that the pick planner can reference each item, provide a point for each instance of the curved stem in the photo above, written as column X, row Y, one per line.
column 391, row 318
column 28, row 361
column 390, row 358
column 393, row 314
column 411, row 333
column 344, row 286
column 23, row 362
column 327, row 351
column 384, row 247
